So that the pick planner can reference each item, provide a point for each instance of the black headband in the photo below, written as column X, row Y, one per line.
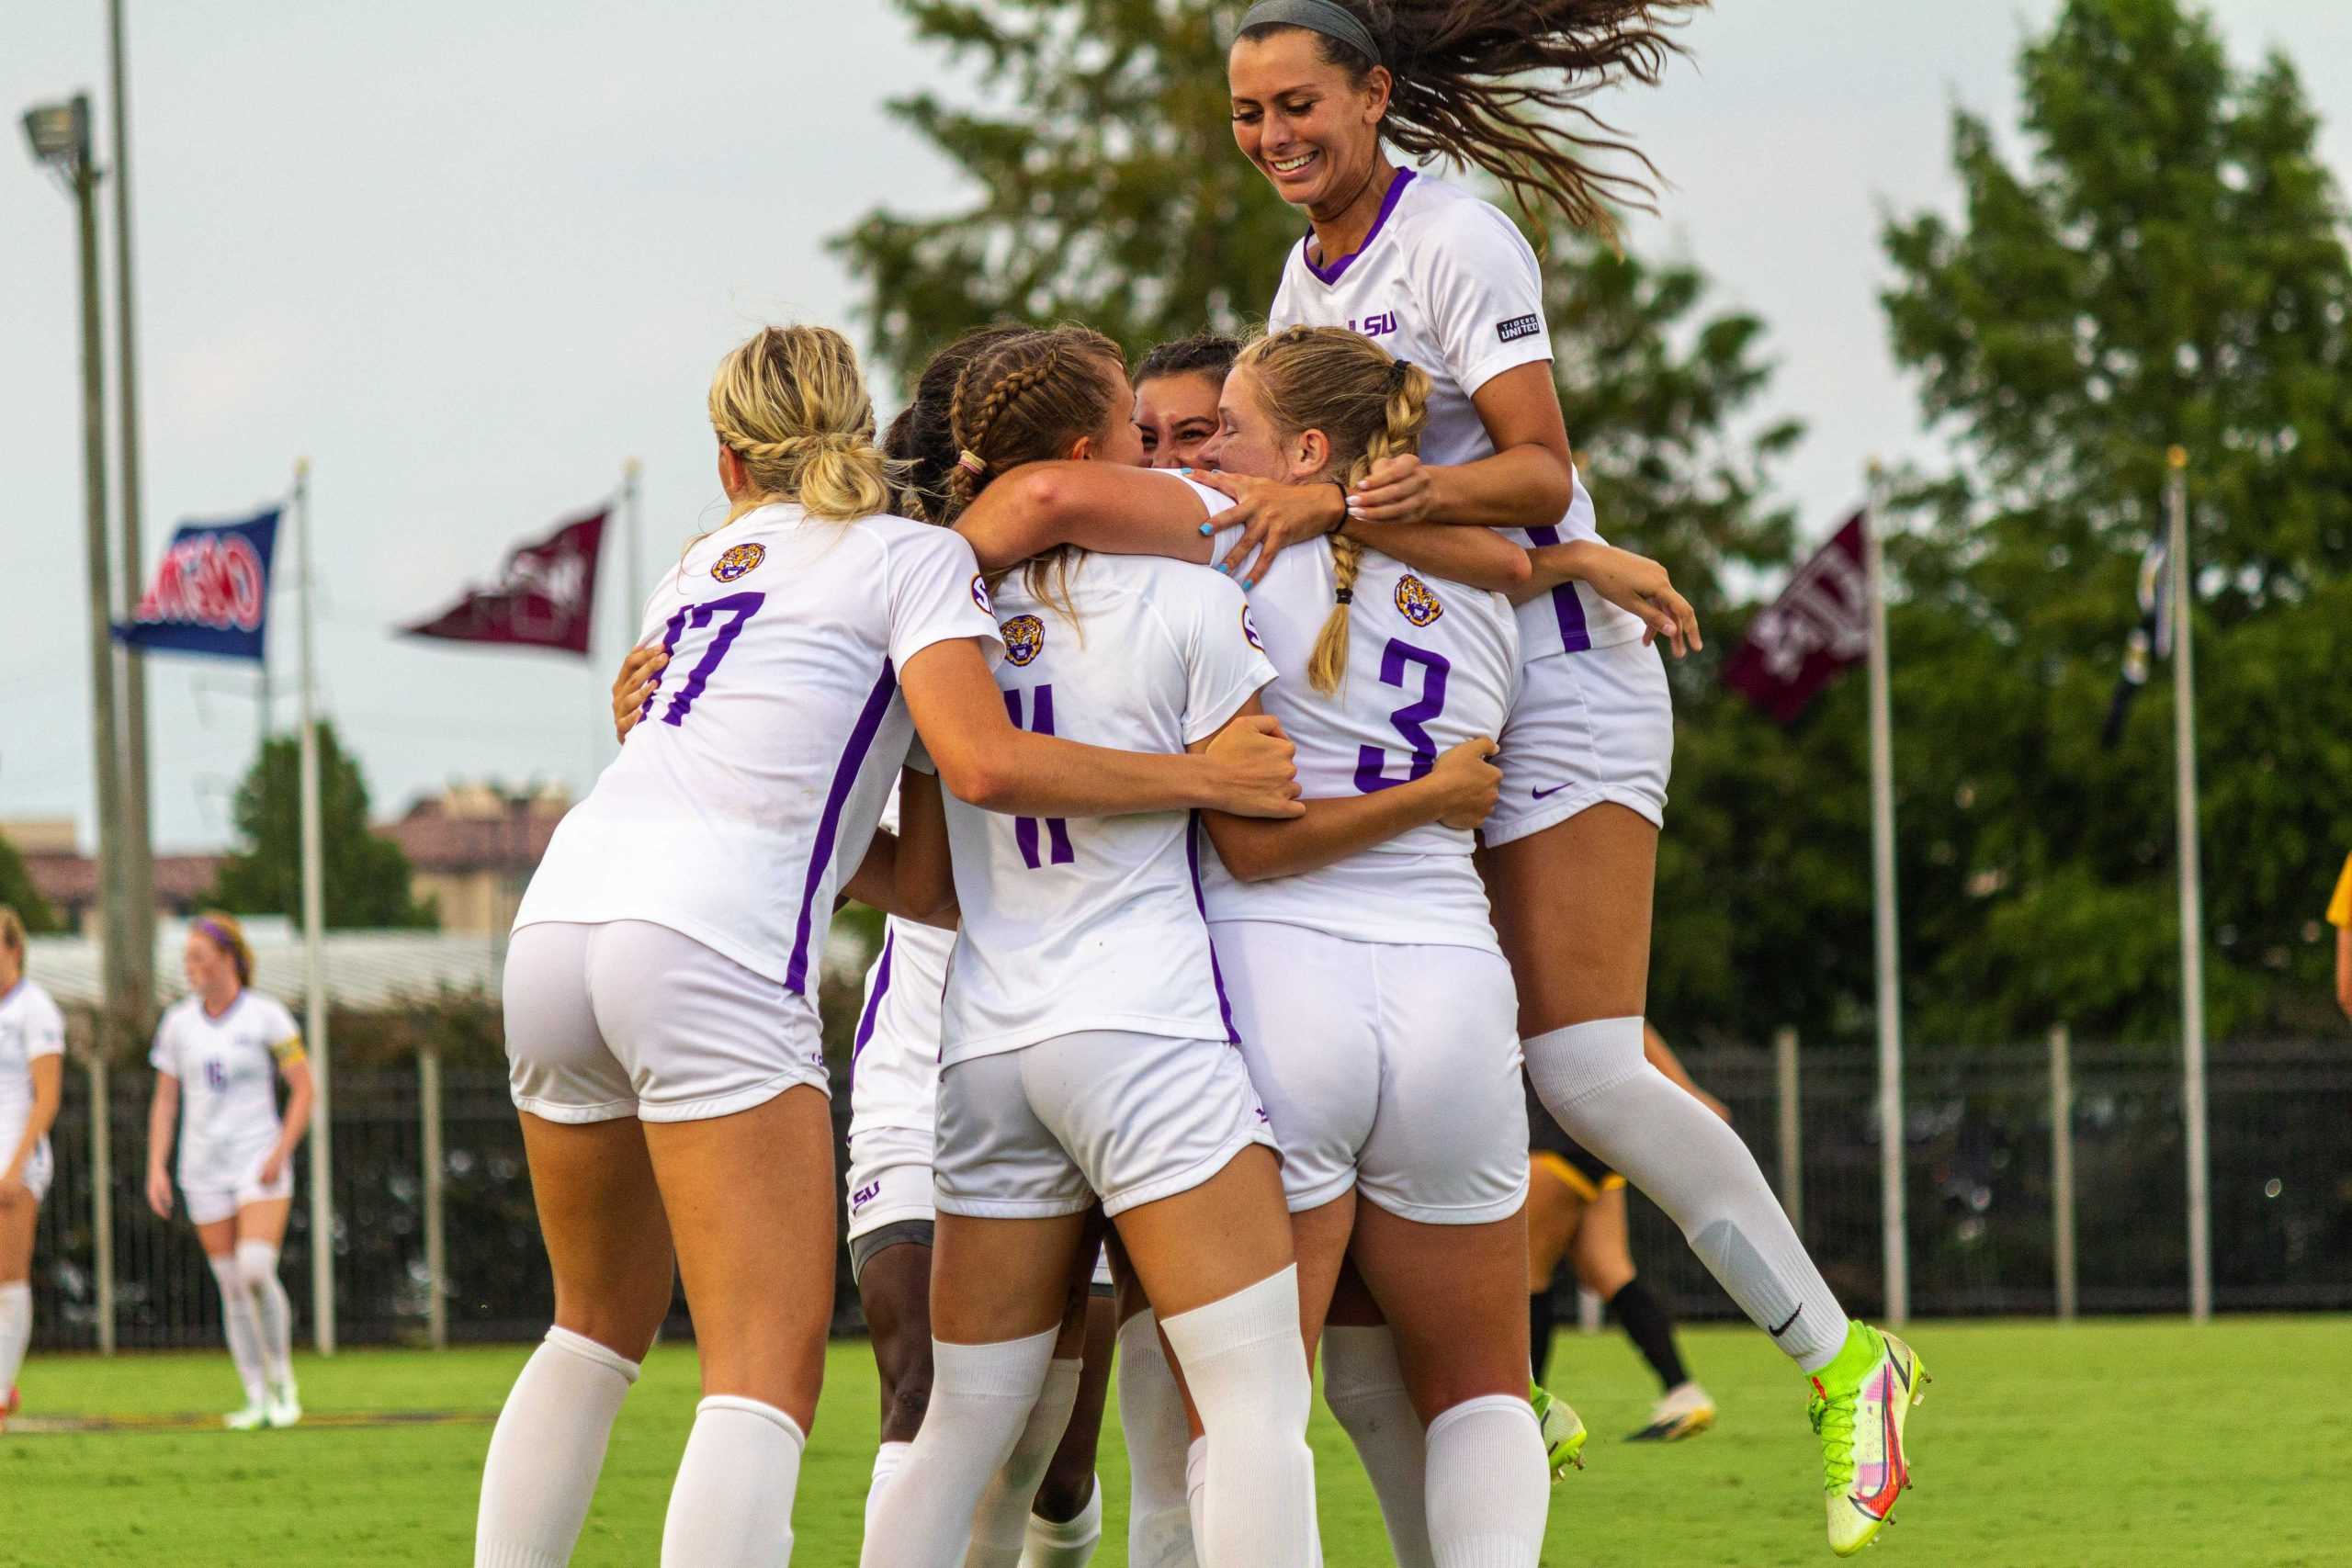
column 1324, row 17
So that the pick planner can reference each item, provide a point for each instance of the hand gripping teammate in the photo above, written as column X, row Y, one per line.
column 1085, row 1051
column 32, row 1072
column 661, row 1032
column 217, row 1054
column 1445, row 280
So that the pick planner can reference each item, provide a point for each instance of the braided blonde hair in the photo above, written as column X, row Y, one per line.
column 1026, row 398
column 1369, row 405
column 792, row 405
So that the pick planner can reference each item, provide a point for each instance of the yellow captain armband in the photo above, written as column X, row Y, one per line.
column 288, row 1051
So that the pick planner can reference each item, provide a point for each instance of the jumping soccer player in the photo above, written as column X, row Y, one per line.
column 217, row 1054
column 32, row 1070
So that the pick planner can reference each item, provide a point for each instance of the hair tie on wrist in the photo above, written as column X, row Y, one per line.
column 971, row 462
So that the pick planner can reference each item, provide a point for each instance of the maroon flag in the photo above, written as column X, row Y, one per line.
column 546, row 597
column 1819, row 625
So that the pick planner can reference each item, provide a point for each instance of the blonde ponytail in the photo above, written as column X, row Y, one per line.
column 792, row 405
column 1369, row 406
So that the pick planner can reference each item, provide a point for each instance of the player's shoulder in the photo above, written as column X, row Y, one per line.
column 1438, row 217
column 37, row 1003
column 269, row 1015
column 180, row 1011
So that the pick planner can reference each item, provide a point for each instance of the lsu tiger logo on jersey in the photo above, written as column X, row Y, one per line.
column 980, row 597
column 1415, row 602
column 737, row 561
column 1249, row 630
column 1025, row 639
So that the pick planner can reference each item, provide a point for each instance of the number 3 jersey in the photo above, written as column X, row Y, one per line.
column 753, row 780
column 1431, row 664
column 1094, row 923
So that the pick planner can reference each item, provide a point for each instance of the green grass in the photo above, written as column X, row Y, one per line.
column 2137, row 1445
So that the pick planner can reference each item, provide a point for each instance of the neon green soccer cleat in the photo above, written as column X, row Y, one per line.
column 1861, row 1402
column 1564, row 1433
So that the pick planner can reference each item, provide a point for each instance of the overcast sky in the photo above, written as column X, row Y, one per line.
column 468, row 258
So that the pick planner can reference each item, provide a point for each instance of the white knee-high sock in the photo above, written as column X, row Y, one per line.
column 243, row 1328
column 1066, row 1543
column 15, row 1331
column 731, row 1505
column 887, row 1461
column 546, row 1452
column 273, row 1311
column 1490, row 1486
column 1365, row 1391
column 980, row 1400
column 1001, row 1523
column 1246, row 1365
column 1151, row 1414
column 1595, row 1081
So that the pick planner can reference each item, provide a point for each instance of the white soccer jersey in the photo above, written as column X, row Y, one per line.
column 30, row 1026
column 751, row 786
column 1430, row 664
column 1448, row 282
column 1095, row 923
column 228, row 1072
column 894, row 1057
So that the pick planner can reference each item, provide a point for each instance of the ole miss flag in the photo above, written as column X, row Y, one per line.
column 210, row 593
column 546, row 597
column 1819, row 625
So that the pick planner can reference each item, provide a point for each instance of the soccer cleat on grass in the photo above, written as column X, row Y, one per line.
column 9, row 1406
column 285, row 1407
column 1861, row 1402
column 1564, row 1433
column 1685, row 1412
column 252, row 1419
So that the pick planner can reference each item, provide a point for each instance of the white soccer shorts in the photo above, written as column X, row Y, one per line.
column 1389, row 1067
column 1038, row 1132
column 630, row 1019
column 210, row 1202
column 40, row 1169
column 1586, row 728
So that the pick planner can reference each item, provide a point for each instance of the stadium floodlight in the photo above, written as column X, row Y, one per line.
column 59, row 134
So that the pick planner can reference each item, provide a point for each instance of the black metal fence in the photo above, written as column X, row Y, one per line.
column 1978, row 1152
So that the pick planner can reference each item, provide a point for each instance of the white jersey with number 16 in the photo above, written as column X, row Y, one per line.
column 751, row 786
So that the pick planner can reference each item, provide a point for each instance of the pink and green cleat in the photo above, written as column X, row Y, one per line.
column 1861, row 1402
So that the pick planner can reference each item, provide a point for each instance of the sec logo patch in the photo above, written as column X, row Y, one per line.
column 1415, row 602
column 737, row 561
column 980, row 597
column 1249, row 629
column 1025, row 639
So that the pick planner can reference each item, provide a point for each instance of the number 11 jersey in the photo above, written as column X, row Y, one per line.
column 1431, row 664
column 753, row 780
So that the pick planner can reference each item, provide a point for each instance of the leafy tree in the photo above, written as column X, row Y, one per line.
column 17, row 892
column 2167, row 266
column 366, row 876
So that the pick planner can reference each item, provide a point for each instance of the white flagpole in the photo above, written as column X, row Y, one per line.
column 314, row 958
column 2192, row 913
column 1894, row 1240
column 632, row 526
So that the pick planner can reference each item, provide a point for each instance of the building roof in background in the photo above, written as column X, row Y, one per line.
column 70, row 878
column 478, row 828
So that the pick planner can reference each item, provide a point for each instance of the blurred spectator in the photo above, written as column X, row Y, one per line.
column 2339, row 915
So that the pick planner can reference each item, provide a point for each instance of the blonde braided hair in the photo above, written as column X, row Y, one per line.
column 791, row 402
column 1369, row 405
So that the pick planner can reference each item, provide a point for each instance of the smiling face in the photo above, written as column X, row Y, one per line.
column 1308, row 127
column 1176, row 416
column 211, row 973
column 1250, row 441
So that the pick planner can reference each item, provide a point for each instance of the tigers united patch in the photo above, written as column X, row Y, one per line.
column 1025, row 639
column 737, row 561
column 1415, row 602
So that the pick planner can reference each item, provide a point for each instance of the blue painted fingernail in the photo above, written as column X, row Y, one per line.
column 1183, row 470
column 1224, row 569
column 1207, row 529
column 1248, row 583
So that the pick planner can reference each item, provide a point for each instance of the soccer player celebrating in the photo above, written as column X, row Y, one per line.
column 219, row 1053
column 1177, row 388
column 32, row 1046
column 1320, row 90
column 1084, row 1049
column 661, row 1026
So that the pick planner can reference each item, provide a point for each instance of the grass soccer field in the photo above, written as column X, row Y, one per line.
column 2141, row 1445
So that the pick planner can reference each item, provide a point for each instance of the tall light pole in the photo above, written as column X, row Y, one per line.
column 137, row 849
column 59, row 135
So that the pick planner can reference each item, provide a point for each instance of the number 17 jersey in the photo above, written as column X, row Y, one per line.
column 758, row 770
column 1431, row 664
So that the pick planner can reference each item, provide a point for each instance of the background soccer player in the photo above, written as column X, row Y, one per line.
column 32, row 1070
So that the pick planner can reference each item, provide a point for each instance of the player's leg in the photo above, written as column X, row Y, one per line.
column 894, row 1287
column 215, row 1217
column 1157, row 1429
column 261, row 1233
column 1555, row 1210
column 1365, row 1389
column 1001, row 1523
column 608, row 1247
column 1603, row 1257
column 1065, row 1518
column 18, row 1216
